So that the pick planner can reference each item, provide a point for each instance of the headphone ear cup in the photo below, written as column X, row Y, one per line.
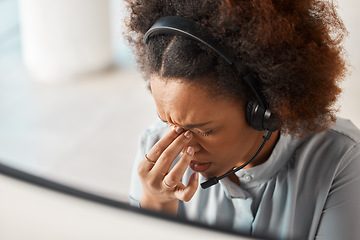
column 259, row 118
column 254, row 115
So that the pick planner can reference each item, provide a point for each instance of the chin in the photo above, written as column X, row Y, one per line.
column 205, row 175
column 209, row 174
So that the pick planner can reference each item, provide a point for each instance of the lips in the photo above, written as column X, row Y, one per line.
column 199, row 167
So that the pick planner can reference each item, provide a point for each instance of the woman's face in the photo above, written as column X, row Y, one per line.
column 221, row 137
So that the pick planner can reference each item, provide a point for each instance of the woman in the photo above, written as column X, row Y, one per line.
column 247, row 86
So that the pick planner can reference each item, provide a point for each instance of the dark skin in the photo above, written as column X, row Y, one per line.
column 212, row 135
column 295, row 48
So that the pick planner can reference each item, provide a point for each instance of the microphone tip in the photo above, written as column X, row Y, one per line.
column 209, row 182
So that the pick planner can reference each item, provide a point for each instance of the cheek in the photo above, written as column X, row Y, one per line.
column 228, row 143
column 219, row 144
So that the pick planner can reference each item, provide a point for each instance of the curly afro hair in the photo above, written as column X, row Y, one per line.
column 294, row 47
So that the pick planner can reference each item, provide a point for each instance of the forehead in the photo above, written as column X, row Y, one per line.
column 184, row 103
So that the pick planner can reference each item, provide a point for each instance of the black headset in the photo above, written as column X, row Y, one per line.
column 258, row 116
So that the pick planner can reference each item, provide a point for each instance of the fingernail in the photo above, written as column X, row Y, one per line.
column 190, row 151
column 188, row 134
column 179, row 130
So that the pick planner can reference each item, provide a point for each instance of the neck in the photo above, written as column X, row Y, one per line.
column 266, row 151
column 263, row 155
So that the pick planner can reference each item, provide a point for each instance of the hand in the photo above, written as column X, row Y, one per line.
column 162, row 188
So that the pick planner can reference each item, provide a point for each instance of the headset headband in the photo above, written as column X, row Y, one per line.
column 185, row 27
column 175, row 25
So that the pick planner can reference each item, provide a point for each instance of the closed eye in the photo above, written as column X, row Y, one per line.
column 201, row 133
column 205, row 134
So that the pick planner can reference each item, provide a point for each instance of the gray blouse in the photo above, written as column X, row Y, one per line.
column 308, row 189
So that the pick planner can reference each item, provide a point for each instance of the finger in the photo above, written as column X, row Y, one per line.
column 161, row 145
column 175, row 175
column 169, row 154
column 145, row 166
column 149, row 160
column 188, row 192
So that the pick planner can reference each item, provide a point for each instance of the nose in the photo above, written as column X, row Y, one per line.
column 195, row 144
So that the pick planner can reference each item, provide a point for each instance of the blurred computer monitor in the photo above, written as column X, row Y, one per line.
column 32, row 207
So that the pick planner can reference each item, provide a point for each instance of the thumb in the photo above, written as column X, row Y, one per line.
column 188, row 192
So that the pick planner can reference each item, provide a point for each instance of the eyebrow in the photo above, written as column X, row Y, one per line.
column 188, row 125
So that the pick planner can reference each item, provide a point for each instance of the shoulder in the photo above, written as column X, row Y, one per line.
column 333, row 149
column 346, row 131
column 347, row 143
column 341, row 137
column 342, row 134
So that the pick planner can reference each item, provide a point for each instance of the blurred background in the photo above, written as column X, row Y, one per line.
column 72, row 104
